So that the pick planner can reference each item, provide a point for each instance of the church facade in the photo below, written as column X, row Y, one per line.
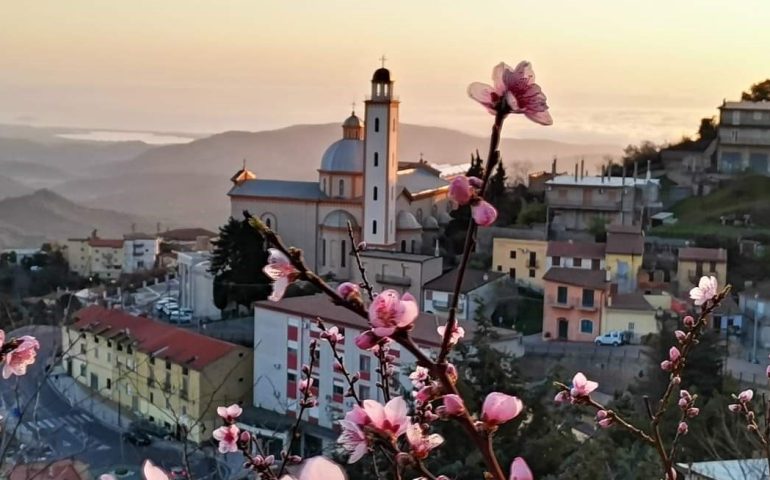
column 394, row 206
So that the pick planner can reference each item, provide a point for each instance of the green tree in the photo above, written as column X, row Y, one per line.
column 236, row 263
column 496, row 191
column 533, row 212
column 758, row 92
column 707, row 129
column 477, row 166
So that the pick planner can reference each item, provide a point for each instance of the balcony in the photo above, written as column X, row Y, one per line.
column 533, row 264
column 393, row 280
column 585, row 307
column 744, row 137
column 554, row 302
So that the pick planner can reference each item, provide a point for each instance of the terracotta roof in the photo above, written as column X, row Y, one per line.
column 320, row 306
column 575, row 249
column 65, row 469
column 472, row 280
column 577, row 276
column 624, row 240
column 177, row 345
column 187, row 234
column 105, row 242
column 704, row 254
column 629, row 301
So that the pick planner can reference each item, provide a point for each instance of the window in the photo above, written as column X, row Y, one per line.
column 168, row 365
column 363, row 392
column 152, row 360
column 185, row 371
column 342, row 188
column 83, row 370
column 631, row 326
column 414, row 244
column 556, row 261
column 713, row 267
column 129, row 350
column 96, row 339
column 512, row 254
column 586, row 326
column 377, row 124
column 595, row 264
column 374, row 227
column 109, row 383
column 577, row 262
column 499, row 268
column 364, row 363
column 292, row 377
column 757, row 115
column 561, row 295
column 337, row 388
column 120, row 347
column 394, row 121
column 152, row 398
column 588, row 297
column 418, row 214
column 83, row 348
column 343, row 253
column 376, row 159
column 403, row 246
column 531, row 273
column 512, row 272
column 324, row 186
column 374, row 193
column 323, row 252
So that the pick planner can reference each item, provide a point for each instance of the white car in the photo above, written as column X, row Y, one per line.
column 613, row 338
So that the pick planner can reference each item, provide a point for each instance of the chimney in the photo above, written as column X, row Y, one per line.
column 553, row 166
column 604, row 171
column 624, row 174
column 576, row 172
column 636, row 170
column 649, row 168
column 582, row 168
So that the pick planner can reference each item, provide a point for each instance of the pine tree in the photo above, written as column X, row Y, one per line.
column 477, row 166
column 236, row 263
column 496, row 189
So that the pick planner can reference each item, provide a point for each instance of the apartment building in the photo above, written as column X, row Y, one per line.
column 571, row 254
column 693, row 263
column 572, row 307
column 95, row 256
column 623, row 255
column 170, row 376
column 139, row 252
column 478, row 286
column 744, row 137
column 523, row 259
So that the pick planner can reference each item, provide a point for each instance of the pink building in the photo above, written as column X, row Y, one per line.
column 572, row 308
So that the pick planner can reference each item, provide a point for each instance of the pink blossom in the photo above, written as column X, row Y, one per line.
column 367, row 340
column 358, row 416
column 460, row 190
column 18, row 359
column 458, row 332
column 682, row 428
column 499, row 408
column 353, row 440
column 680, row 336
column 422, row 444
column 107, row 476
column 520, row 470
column 333, row 335
column 419, row 376
column 347, row 289
column 424, row 394
column 581, row 386
column 706, row 290
column 604, row 418
column 693, row 412
column 562, row 397
column 390, row 418
column 245, row 437
column 674, row 354
column 230, row 413
column 280, row 270
column 316, row 468
column 451, row 372
column 490, row 96
column 518, row 89
column 151, row 472
column 476, row 182
column 389, row 312
column 227, row 436
column 688, row 321
column 745, row 396
column 484, row 214
column 453, row 405
column 734, row 407
column 666, row 366
column 304, row 384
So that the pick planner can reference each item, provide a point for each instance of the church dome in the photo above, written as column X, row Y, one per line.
column 406, row 221
column 339, row 219
column 346, row 155
column 381, row 75
column 430, row 223
column 353, row 122
column 444, row 218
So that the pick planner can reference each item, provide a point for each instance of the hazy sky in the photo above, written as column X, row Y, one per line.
column 613, row 70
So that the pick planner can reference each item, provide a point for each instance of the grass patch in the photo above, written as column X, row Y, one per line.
column 746, row 194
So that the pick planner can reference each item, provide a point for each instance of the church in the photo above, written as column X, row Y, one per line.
column 396, row 207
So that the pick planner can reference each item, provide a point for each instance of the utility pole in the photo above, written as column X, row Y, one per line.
column 756, row 325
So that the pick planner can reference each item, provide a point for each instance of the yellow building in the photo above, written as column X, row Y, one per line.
column 522, row 259
column 623, row 255
column 78, row 255
column 95, row 256
column 170, row 376
column 693, row 263
column 633, row 313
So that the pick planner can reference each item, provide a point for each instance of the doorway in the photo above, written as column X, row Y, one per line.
column 563, row 328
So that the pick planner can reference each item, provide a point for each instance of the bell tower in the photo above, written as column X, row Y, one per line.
column 380, row 161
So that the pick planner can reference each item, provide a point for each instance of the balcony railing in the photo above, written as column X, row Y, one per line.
column 393, row 280
column 554, row 301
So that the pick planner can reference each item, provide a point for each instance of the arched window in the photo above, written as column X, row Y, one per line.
column 342, row 188
column 418, row 214
column 268, row 222
column 377, row 124
column 374, row 193
column 586, row 326
column 413, row 245
column 374, row 227
column 343, row 254
column 323, row 252
column 403, row 246
column 324, row 186
column 376, row 159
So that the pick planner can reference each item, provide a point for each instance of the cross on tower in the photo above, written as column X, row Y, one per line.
column 382, row 59
column 353, row 106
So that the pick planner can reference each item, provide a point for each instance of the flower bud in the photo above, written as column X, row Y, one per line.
column 680, row 336
column 676, row 379
column 361, row 246
column 682, row 428
column 688, row 321
column 734, row 407
column 245, row 437
column 666, row 366
column 693, row 412
column 745, row 396
column 453, row 405
column 562, row 397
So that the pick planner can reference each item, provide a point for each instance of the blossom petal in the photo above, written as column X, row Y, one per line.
column 499, row 73
column 151, row 472
column 520, row 470
column 279, row 288
column 543, row 118
column 520, row 77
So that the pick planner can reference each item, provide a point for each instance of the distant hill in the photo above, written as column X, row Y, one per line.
column 41, row 216
column 11, row 188
column 75, row 157
column 189, row 182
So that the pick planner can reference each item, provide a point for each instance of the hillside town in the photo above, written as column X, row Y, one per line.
column 162, row 327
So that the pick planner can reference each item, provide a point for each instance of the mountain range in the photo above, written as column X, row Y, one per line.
column 186, row 184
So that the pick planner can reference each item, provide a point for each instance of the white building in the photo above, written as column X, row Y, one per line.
column 744, row 137
column 196, row 285
column 139, row 252
column 394, row 206
column 477, row 285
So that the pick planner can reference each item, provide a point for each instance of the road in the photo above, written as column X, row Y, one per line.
column 51, row 429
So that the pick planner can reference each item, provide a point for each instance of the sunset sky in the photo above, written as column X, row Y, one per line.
column 614, row 71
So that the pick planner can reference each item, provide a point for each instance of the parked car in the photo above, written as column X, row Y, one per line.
column 146, row 427
column 162, row 302
column 613, row 338
column 185, row 315
column 170, row 307
column 138, row 438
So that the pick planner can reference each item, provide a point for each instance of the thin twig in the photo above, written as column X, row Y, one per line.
column 494, row 143
column 356, row 252
column 381, row 371
column 341, row 364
